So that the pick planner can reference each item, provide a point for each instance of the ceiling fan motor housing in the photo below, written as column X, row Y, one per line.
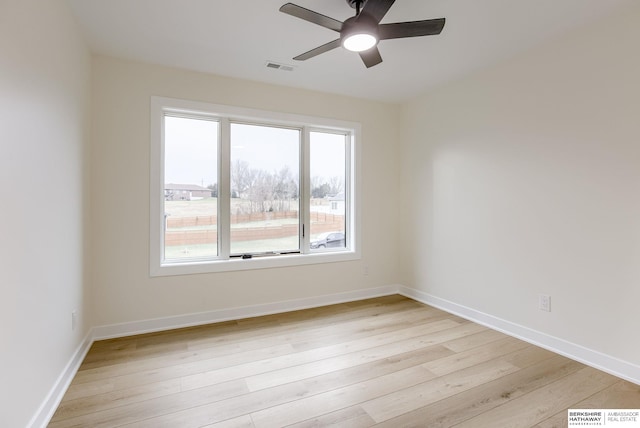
column 360, row 24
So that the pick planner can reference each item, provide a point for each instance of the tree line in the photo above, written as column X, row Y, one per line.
column 273, row 191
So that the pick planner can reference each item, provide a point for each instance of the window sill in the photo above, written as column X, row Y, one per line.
column 238, row 264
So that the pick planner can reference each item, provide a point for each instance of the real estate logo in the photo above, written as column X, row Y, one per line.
column 627, row 418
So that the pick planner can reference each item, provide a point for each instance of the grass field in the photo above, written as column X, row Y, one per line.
column 240, row 247
column 209, row 206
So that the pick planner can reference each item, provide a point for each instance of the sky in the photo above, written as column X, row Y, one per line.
column 191, row 150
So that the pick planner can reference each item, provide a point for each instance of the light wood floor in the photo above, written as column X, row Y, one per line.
column 388, row 362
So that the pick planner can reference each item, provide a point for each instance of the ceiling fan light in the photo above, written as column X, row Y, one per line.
column 359, row 42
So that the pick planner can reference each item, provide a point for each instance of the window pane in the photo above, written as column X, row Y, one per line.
column 265, row 215
column 190, row 188
column 328, row 202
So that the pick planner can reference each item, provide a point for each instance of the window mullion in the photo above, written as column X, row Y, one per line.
column 224, row 190
column 305, row 191
column 348, row 191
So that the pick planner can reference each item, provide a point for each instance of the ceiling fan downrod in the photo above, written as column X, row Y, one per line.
column 357, row 5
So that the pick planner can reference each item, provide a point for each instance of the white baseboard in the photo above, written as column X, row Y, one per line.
column 50, row 404
column 220, row 315
column 606, row 363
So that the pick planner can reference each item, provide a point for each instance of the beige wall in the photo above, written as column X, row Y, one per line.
column 44, row 87
column 123, row 290
column 525, row 179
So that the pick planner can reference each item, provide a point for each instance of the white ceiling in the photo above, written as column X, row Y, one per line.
column 237, row 38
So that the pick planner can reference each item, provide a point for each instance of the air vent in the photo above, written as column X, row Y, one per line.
column 279, row 66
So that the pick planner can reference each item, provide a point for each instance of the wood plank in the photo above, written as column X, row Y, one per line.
column 475, row 401
column 94, row 403
column 192, row 362
column 138, row 410
column 412, row 398
column 355, row 330
column 474, row 356
column 352, row 417
column 473, row 341
column 536, row 406
column 239, row 422
column 224, row 410
column 319, row 404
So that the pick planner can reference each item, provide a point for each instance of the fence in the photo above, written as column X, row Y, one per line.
column 211, row 220
column 321, row 222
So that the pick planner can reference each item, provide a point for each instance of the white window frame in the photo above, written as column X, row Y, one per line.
column 224, row 114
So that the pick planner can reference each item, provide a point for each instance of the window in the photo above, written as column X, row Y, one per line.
column 328, row 169
column 190, row 177
column 265, row 189
column 235, row 189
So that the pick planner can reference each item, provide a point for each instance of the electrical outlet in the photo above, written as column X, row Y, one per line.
column 544, row 302
column 74, row 319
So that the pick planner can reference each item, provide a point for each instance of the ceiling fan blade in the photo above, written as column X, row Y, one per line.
column 311, row 16
column 371, row 57
column 399, row 30
column 377, row 8
column 317, row 51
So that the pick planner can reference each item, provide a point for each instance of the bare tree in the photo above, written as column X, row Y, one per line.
column 262, row 190
column 336, row 185
column 241, row 177
column 317, row 181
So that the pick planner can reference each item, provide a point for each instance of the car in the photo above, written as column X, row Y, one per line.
column 328, row 240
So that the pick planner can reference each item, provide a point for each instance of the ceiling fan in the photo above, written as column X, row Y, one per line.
column 362, row 32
